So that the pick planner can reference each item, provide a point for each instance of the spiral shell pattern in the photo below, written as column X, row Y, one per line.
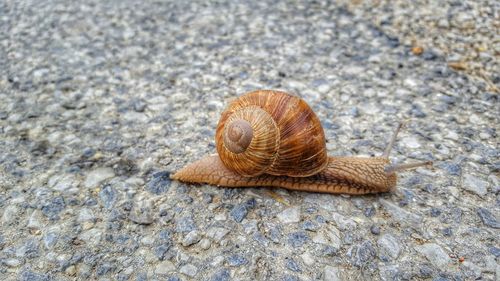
column 286, row 137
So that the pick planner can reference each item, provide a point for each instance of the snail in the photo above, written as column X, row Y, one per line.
column 271, row 138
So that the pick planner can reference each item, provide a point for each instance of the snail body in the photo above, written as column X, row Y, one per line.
column 271, row 138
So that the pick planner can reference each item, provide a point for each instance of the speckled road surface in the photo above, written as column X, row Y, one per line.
column 101, row 100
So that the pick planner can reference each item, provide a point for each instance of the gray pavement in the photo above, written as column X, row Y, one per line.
column 101, row 100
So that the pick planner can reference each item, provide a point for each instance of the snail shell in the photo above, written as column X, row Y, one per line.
column 271, row 132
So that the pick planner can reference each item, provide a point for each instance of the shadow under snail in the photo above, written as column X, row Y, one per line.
column 271, row 138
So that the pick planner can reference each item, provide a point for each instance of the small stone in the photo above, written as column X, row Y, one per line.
column 164, row 268
column 447, row 231
column 495, row 251
column 161, row 250
column 488, row 218
column 62, row 183
column 331, row 274
column 375, row 229
column 71, row 270
column 401, row 214
column 435, row 254
column 86, row 214
column 92, row 236
column 217, row 233
column 52, row 208
column 222, row 274
column 35, row 220
column 425, row 271
column 307, row 259
column 184, row 224
column 329, row 236
column 50, row 240
column 310, row 225
column 410, row 142
column 191, row 238
column 290, row 215
column 108, row 196
column 141, row 213
column 159, row 183
column 97, row 176
column 12, row 262
column 236, row 260
column 452, row 168
column 189, row 270
column 33, row 276
column 205, row 244
column 297, row 239
column 343, row 222
column 361, row 254
column 389, row 272
column 104, row 268
column 29, row 250
column 84, row 270
column 389, row 247
column 10, row 214
column 239, row 212
column 250, row 227
column 292, row 265
column 475, row 185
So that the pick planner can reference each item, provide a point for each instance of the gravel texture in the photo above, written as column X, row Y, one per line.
column 102, row 100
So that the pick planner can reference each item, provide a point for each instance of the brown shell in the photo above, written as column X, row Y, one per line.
column 288, row 138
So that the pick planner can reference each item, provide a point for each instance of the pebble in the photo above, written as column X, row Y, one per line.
column 52, row 208
column 435, row 254
column 141, row 213
column 108, row 196
column 217, row 233
column 12, row 262
column 50, row 239
column 389, row 272
column 33, row 276
column 307, row 259
column 401, row 214
column 389, row 247
column 475, row 185
column 375, row 230
column 343, row 222
column 452, row 168
column 10, row 214
column 35, row 221
column 205, row 244
column 91, row 236
column 362, row 253
column 164, row 267
column 222, row 274
column 62, row 183
column 297, row 239
column 290, row 215
column 97, row 176
column 189, row 270
column 184, row 224
column 488, row 218
column 191, row 238
column 292, row 265
column 86, row 214
column 410, row 142
column 495, row 251
column 331, row 273
column 236, row 260
column 159, row 183
column 239, row 212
